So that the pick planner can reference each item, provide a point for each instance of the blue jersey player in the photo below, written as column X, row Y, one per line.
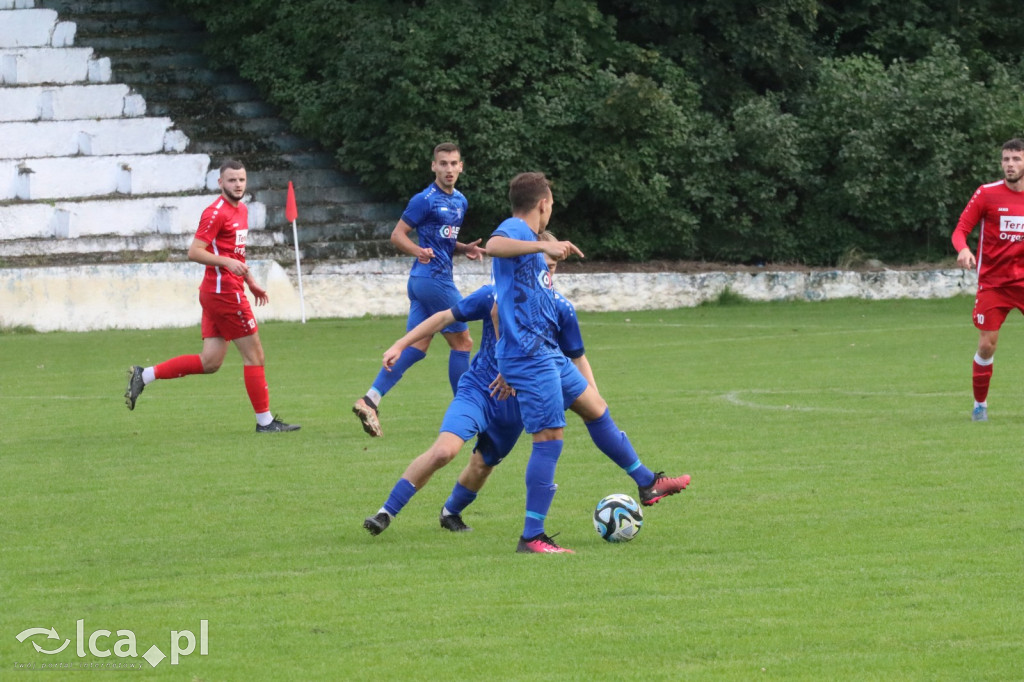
column 529, row 360
column 476, row 411
column 436, row 214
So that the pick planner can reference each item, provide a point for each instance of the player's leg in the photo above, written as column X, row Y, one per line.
column 537, row 387
column 990, row 310
column 208, row 362
column 445, row 295
column 465, row 417
column 981, row 373
column 471, row 480
column 416, row 475
column 367, row 408
column 461, row 345
column 255, row 379
column 492, row 445
column 613, row 442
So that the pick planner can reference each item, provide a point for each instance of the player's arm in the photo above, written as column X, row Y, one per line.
column 197, row 253
column 400, row 238
column 506, row 247
column 258, row 292
column 968, row 219
column 423, row 330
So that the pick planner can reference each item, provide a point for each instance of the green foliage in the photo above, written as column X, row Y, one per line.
column 791, row 130
column 902, row 146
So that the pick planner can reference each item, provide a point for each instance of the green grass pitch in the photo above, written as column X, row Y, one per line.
column 846, row 520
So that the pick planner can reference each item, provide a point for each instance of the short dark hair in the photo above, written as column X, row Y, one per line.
column 231, row 164
column 1014, row 145
column 447, row 147
column 526, row 190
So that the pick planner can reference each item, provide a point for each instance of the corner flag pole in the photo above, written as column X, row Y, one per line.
column 291, row 213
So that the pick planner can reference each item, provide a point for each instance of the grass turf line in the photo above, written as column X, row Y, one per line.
column 846, row 519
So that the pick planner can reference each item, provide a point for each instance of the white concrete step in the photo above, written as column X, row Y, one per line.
column 164, row 215
column 69, row 102
column 105, row 137
column 94, row 176
column 36, row 65
column 34, row 28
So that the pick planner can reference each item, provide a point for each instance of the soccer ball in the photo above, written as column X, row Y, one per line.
column 618, row 518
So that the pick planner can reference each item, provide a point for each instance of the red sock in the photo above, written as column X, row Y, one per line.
column 256, row 387
column 180, row 366
column 981, row 377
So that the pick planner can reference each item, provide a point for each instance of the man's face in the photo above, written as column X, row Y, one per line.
column 1013, row 165
column 232, row 184
column 446, row 167
column 551, row 263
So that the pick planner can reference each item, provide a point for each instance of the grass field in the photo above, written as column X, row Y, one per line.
column 846, row 520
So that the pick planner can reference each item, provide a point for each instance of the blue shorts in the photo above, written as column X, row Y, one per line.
column 428, row 296
column 473, row 412
column 539, row 381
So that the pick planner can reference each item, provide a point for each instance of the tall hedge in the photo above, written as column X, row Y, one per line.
column 731, row 130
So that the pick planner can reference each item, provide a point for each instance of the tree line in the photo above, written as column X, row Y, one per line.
column 737, row 130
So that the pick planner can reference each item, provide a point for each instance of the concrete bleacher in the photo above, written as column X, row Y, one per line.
column 78, row 155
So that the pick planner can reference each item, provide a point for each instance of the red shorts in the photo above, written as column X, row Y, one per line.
column 227, row 316
column 991, row 306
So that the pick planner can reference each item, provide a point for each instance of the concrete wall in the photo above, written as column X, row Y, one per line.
column 144, row 296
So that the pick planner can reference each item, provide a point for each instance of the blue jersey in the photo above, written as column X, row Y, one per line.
column 570, row 340
column 477, row 306
column 437, row 218
column 526, row 303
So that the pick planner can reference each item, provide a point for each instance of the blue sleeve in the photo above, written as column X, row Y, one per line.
column 417, row 210
column 515, row 230
column 570, row 339
column 476, row 306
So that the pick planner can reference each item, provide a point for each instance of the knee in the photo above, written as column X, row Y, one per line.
column 211, row 365
column 440, row 457
column 461, row 342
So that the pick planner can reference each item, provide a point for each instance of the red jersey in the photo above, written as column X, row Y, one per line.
column 224, row 227
column 1000, row 211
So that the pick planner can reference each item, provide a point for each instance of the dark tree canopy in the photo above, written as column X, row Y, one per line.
column 782, row 130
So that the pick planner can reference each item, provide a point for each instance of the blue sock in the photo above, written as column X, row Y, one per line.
column 399, row 497
column 386, row 380
column 540, row 485
column 460, row 498
column 458, row 363
column 614, row 443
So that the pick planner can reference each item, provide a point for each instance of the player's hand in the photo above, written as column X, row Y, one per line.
column 500, row 388
column 259, row 293
column 425, row 255
column 391, row 356
column 474, row 251
column 236, row 267
column 965, row 259
column 561, row 250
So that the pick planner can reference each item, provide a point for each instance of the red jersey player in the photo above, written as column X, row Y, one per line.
column 999, row 208
column 219, row 244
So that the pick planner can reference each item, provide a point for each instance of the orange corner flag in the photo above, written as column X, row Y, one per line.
column 290, row 211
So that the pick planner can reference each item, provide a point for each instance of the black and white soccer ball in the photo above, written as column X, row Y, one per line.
column 618, row 518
